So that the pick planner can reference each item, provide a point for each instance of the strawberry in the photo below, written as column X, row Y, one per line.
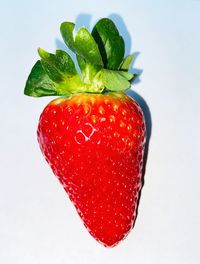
column 93, row 137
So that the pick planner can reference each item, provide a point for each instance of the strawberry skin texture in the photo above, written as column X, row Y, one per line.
column 94, row 144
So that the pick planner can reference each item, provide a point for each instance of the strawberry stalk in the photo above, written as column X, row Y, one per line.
column 100, row 57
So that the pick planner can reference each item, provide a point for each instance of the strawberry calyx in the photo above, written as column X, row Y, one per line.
column 100, row 57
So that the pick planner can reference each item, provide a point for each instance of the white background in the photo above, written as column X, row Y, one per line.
column 38, row 224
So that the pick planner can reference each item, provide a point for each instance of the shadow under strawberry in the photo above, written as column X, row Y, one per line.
column 148, row 121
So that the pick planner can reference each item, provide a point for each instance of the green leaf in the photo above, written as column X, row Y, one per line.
column 110, row 43
column 87, row 48
column 126, row 63
column 88, row 70
column 114, row 81
column 48, row 62
column 52, row 72
column 81, row 63
column 126, row 75
column 91, row 75
column 65, row 63
column 83, row 45
column 60, row 67
column 66, row 30
column 38, row 82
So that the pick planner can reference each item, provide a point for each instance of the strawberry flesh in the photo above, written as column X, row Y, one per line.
column 94, row 144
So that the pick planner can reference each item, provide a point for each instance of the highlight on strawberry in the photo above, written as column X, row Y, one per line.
column 93, row 135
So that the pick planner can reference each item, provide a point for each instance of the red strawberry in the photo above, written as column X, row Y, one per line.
column 94, row 145
column 93, row 137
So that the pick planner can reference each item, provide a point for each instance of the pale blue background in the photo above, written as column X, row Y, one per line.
column 38, row 224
